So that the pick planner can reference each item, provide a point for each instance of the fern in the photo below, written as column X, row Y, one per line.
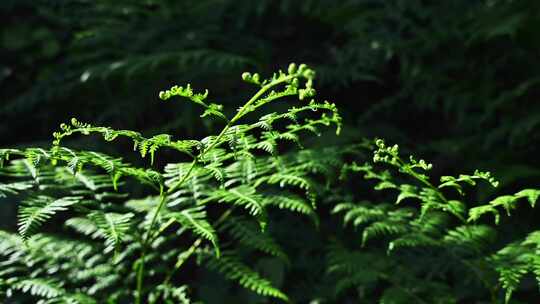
column 112, row 226
column 37, row 210
column 438, row 225
column 233, row 269
column 195, row 219
column 143, row 232
column 247, row 234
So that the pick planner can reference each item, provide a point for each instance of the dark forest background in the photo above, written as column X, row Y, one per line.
column 456, row 82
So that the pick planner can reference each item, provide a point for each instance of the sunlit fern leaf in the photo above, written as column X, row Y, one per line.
column 10, row 243
column 471, row 237
column 77, row 298
column 456, row 183
column 296, row 179
column 508, row 202
column 476, row 212
column 113, row 227
column 531, row 195
column 34, row 211
column 166, row 293
column 510, row 279
column 195, row 219
column 233, row 269
column 244, row 196
column 514, row 261
column 144, row 204
column 85, row 226
column 292, row 203
column 14, row 188
column 360, row 214
column 45, row 288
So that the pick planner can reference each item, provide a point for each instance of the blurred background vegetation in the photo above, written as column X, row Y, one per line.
column 456, row 81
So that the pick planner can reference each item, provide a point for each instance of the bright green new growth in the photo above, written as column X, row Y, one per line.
column 427, row 241
column 228, row 172
column 447, row 230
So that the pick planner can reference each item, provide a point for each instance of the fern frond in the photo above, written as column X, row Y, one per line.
column 166, row 293
column 40, row 287
column 35, row 211
column 195, row 219
column 233, row 269
column 475, row 238
column 508, row 202
column 85, row 226
column 244, row 196
column 113, row 227
column 292, row 203
column 358, row 214
column 14, row 188
column 456, row 183
column 246, row 232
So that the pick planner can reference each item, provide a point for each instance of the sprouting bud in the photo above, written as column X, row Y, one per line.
column 301, row 94
column 188, row 92
column 292, row 68
column 246, row 76
column 306, row 93
column 255, row 78
column 163, row 95
column 380, row 143
column 302, row 68
column 74, row 121
column 295, row 82
column 309, row 74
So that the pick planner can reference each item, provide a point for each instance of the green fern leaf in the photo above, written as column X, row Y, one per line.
column 35, row 211
column 113, row 227
column 195, row 219
column 531, row 195
column 40, row 287
column 233, row 269
column 245, row 196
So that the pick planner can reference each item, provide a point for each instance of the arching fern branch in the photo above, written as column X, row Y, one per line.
column 225, row 168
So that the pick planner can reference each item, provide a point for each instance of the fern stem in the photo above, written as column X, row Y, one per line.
column 239, row 115
column 215, row 143
column 243, row 109
column 427, row 183
column 145, row 242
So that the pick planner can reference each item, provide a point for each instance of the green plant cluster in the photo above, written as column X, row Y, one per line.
column 454, row 82
column 217, row 211
column 437, row 238
column 130, row 249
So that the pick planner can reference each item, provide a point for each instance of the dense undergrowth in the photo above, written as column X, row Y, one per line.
column 218, row 209
column 310, row 217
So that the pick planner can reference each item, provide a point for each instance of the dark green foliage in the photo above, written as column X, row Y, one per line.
column 444, row 232
column 453, row 81
column 227, row 169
